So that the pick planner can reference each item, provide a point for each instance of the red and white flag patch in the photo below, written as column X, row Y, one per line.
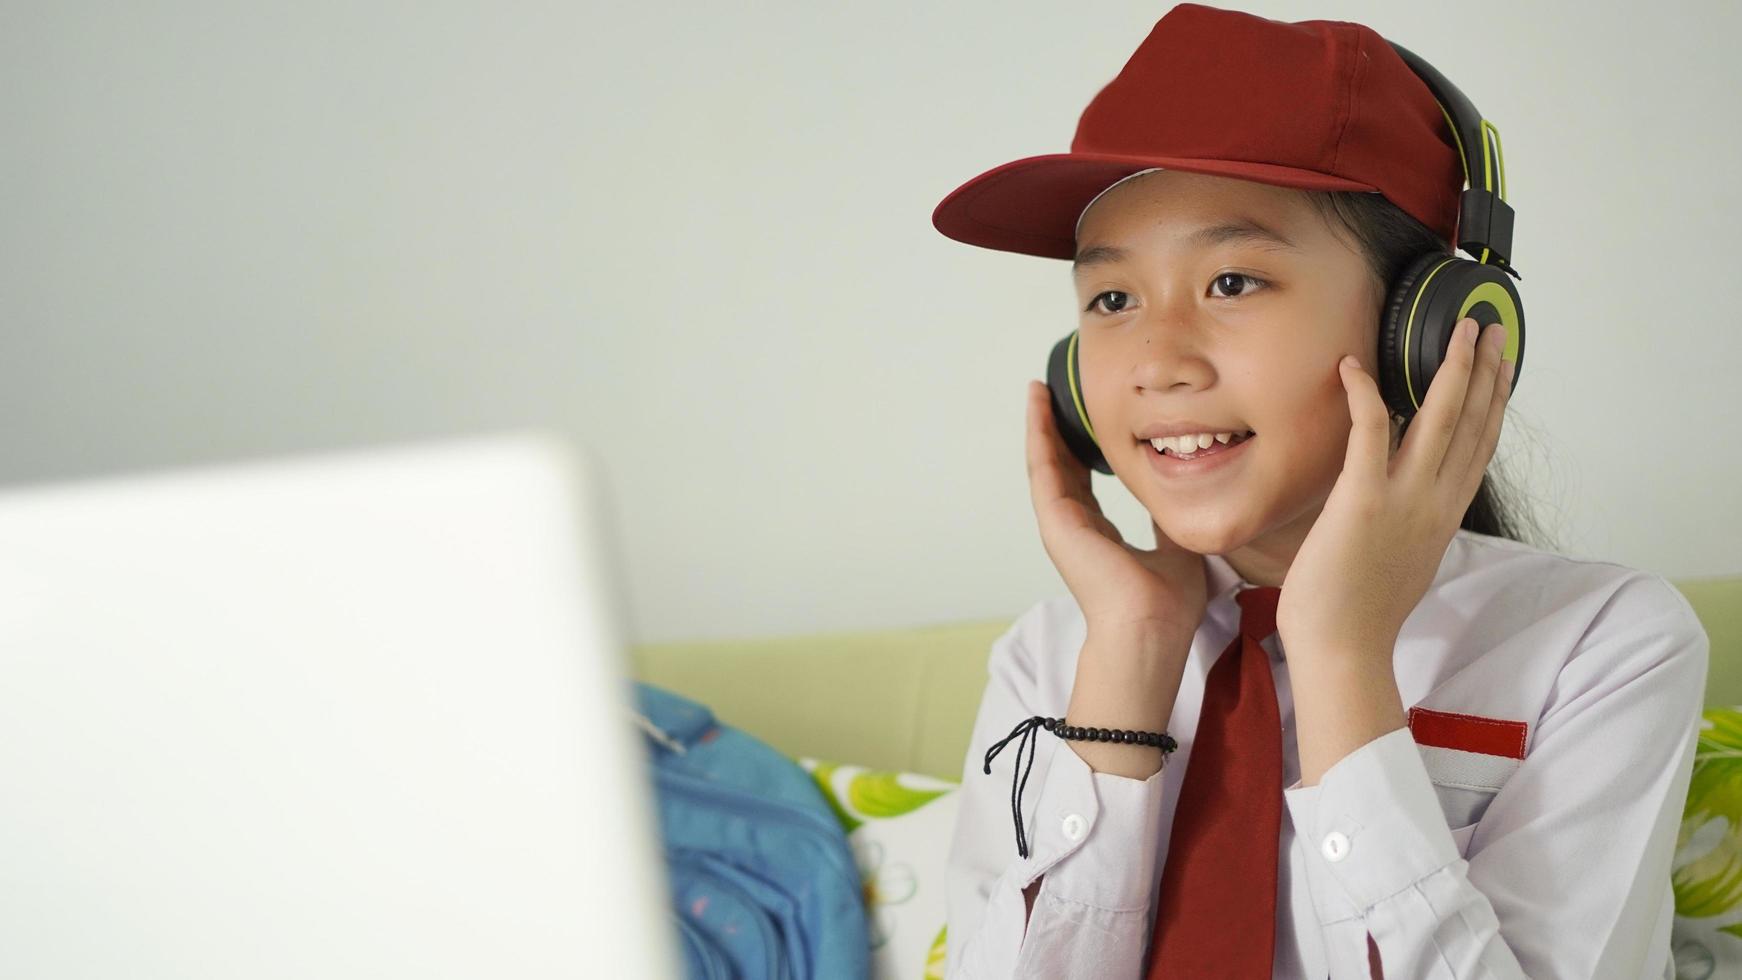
column 1468, row 750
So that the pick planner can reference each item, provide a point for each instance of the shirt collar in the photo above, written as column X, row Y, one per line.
column 1222, row 584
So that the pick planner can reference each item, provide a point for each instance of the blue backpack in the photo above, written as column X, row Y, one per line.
column 760, row 872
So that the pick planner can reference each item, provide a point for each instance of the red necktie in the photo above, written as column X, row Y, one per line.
column 1216, row 917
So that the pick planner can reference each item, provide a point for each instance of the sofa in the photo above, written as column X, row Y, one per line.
column 881, row 719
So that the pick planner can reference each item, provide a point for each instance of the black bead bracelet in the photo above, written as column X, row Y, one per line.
column 1057, row 726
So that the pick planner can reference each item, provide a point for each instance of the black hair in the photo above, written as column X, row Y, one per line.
column 1390, row 238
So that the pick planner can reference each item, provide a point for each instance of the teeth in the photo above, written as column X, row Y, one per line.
column 1191, row 444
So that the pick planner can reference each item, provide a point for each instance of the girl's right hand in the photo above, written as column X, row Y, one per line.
column 1116, row 585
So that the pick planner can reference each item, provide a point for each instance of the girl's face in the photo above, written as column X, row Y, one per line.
column 1229, row 330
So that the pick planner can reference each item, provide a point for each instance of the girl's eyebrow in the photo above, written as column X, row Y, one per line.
column 1244, row 231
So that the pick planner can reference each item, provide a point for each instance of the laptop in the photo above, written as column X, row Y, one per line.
column 360, row 713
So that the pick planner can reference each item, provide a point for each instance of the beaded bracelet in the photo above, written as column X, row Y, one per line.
column 1057, row 726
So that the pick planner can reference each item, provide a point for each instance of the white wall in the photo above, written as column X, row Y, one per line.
column 699, row 238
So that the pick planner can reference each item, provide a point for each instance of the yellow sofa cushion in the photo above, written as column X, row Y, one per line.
column 899, row 699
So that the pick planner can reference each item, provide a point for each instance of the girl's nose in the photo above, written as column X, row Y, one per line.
column 1167, row 355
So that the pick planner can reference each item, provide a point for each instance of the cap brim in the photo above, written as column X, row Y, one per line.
column 1031, row 205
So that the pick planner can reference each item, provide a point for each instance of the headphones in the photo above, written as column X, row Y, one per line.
column 1426, row 301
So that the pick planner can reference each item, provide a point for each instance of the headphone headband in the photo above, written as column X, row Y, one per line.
column 1484, row 217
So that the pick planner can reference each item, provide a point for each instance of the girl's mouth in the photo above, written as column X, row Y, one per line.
column 1212, row 457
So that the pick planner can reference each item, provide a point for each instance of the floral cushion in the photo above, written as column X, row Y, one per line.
column 899, row 827
column 1707, row 869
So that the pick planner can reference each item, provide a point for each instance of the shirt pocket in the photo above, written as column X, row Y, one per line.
column 1465, row 787
column 1463, row 808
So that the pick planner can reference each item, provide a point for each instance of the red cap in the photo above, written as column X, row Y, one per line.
column 1318, row 105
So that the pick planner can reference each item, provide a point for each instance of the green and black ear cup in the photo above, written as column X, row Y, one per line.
column 1069, row 410
column 1438, row 289
column 1426, row 303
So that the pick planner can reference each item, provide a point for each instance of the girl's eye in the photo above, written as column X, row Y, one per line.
column 1236, row 277
column 1110, row 292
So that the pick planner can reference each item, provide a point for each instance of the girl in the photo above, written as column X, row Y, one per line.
column 1238, row 202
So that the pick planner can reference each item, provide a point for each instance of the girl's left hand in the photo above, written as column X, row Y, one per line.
column 1378, row 543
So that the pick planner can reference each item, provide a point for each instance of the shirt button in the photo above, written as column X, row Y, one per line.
column 1074, row 826
column 1335, row 846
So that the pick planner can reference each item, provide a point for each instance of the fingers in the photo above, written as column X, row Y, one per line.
column 1072, row 472
column 1059, row 483
column 1431, row 432
column 1043, row 477
column 1369, row 450
column 1490, row 432
column 1473, row 422
column 1049, row 475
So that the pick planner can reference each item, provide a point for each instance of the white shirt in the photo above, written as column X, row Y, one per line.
column 1556, row 865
